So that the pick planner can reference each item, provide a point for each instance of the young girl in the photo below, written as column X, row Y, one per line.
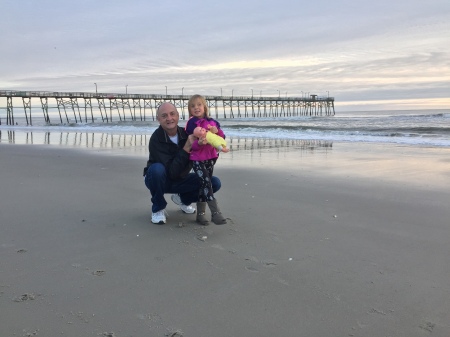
column 204, row 156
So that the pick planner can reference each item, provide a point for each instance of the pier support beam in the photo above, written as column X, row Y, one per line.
column 44, row 105
column 27, row 106
column 148, row 104
column 88, row 103
column 102, row 109
column 137, row 104
column 9, row 111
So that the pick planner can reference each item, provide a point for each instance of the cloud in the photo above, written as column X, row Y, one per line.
column 363, row 51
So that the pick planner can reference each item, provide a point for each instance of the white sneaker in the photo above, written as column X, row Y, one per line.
column 159, row 217
column 185, row 208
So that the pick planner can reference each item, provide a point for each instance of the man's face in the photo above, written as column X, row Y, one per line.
column 168, row 118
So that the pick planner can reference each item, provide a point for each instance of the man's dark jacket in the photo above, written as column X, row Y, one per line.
column 172, row 156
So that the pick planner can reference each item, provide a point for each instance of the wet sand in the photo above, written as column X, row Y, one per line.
column 348, row 240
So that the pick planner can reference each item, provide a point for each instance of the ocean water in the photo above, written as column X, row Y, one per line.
column 429, row 128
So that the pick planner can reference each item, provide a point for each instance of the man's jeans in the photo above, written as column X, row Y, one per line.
column 158, row 183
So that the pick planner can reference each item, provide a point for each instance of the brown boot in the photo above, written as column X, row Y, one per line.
column 201, row 218
column 216, row 214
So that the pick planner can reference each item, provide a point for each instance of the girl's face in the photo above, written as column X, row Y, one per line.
column 197, row 109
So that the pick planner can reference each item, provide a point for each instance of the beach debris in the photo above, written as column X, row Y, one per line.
column 202, row 237
column 376, row 311
column 98, row 272
column 34, row 333
column 180, row 224
column 335, row 216
column 137, row 235
column 25, row 297
column 290, row 259
column 174, row 333
column 252, row 269
column 108, row 334
column 84, row 220
column 22, row 251
column 269, row 263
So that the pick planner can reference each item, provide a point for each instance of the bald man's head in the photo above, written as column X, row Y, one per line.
column 167, row 116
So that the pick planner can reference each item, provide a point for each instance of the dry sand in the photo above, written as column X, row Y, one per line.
column 348, row 240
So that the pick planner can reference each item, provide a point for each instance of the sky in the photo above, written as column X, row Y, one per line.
column 368, row 55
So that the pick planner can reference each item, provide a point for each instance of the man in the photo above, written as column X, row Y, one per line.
column 168, row 167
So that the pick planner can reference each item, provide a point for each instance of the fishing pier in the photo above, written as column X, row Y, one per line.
column 85, row 107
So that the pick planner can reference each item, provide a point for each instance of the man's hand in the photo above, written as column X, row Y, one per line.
column 188, row 146
column 202, row 141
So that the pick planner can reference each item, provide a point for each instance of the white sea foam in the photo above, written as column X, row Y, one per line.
column 425, row 127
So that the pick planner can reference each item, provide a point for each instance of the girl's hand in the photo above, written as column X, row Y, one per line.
column 213, row 129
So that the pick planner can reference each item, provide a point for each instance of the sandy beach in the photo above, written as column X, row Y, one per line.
column 347, row 240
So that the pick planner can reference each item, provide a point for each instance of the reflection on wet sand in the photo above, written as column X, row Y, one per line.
column 121, row 141
column 73, row 139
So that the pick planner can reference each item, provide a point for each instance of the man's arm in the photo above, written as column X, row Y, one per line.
column 175, row 159
column 179, row 165
column 188, row 146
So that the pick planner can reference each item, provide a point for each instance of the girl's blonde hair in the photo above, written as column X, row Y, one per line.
column 202, row 99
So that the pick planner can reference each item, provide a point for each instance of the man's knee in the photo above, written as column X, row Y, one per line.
column 156, row 171
column 216, row 184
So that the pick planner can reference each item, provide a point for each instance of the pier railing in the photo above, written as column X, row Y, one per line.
column 79, row 107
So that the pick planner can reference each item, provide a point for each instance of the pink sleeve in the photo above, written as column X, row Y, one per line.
column 219, row 130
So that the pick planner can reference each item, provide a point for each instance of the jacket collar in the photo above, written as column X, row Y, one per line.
column 163, row 136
